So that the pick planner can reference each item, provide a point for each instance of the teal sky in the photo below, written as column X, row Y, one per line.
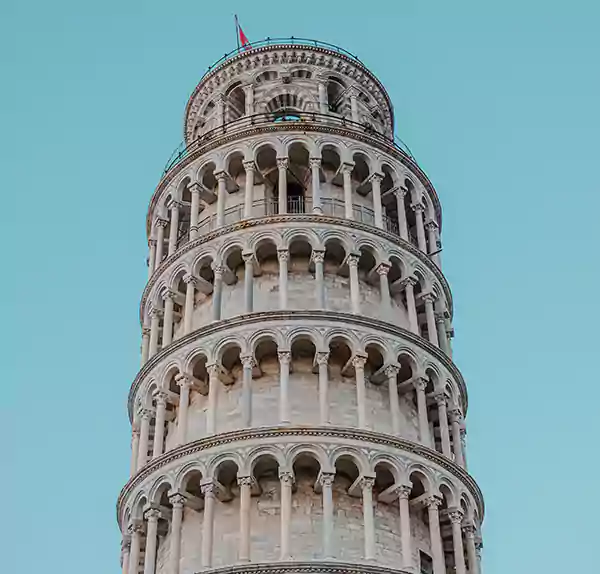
column 499, row 101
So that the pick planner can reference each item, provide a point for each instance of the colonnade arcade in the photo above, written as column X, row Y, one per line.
column 292, row 175
column 391, row 492
column 409, row 296
column 323, row 381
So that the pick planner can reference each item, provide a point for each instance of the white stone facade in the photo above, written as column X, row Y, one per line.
column 297, row 407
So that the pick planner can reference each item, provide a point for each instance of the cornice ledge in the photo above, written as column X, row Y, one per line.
column 290, row 218
column 298, row 315
column 314, row 432
column 312, row 567
column 307, row 126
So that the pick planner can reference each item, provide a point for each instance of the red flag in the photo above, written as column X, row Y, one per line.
column 243, row 40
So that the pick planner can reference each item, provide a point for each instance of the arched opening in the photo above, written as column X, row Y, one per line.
column 235, row 102
column 335, row 93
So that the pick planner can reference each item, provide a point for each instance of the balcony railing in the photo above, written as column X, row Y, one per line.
column 295, row 117
column 295, row 205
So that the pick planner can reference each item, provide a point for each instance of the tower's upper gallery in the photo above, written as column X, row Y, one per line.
column 280, row 78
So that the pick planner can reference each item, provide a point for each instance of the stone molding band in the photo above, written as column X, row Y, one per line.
column 306, row 217
column 313, row 567
column 282, row 127
column 365, row 436
column 297, row 315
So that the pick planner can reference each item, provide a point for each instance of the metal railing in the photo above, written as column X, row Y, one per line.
column 293, row 117
column 248, row 48
column 332, row 207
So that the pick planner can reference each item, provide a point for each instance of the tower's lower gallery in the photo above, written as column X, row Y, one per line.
column 297, row 408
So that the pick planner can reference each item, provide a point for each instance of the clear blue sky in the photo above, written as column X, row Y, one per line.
column 499, row 102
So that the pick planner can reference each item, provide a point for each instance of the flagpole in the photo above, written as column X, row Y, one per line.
column 237, row 34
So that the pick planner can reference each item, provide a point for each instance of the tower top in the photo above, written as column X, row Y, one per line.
column 289, row 58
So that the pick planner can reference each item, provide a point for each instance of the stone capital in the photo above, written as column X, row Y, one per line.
column 318, row 256
column 284, row 357
column 391, row 371
column 283, row 162
column 283, row 254
column 286, row 477
column 315, row 162
column 367, row 482
column 184, row 380
column 145, row 414
column 326, row 478
column 404, row 490
column 249, row 165
column 152, row 514
column 433, row 501
column 160, row 222
column 208, row 488
column 359, row 360
column 189, row 278
column 347, row 167
column 177, row 500
column 416, row 207
column 431, row 225
column 440, row 398
column 174, row 204
column 383, row 268
column 161, row 397
column 245, row 481
column 247, row 361
column 248, row 256
column 322, row 357
column 456, row 515
column 352, row 259
column 455, row 415
column 420, row 383
column 195, row 187
column 168, row 294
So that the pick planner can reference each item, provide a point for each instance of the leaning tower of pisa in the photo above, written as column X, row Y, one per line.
column 297, row 409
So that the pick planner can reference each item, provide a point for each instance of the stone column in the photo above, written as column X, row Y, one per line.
column 221, row 197
column 248, row 364
column 142, row 457
column 151, row 256
column 161, row 224
column 367, row 503
column 282, row 165
column 353, row 93
column 456, row 419
column 194, row 209
column 220, row 103
column 283, row 256
column 173, row 229
column 354, row 285
column 420, row 384
column 152, row 515
column 284, row 381
column 384, row 288
column 376, row 193
column 217, row 294
column 248, row 258
column 213, row 398
column 190, row 294
column 346, row 169
column 463, row 444
column 432, row 503
column 322, row 362
column 249, row 93
column 184, row 383
column 169, row 299
column 418, row 208
column 432, row 237
column 326, row 481
column 440, row 321
column 287, row 479
column 411, row 306
column 358, row 362
column 391, row 372
column 249, row 188
column 402, row 225
column 245, row 484
column 322, row 87
column 456, row 516
column 145, row 344
column 125, row 546
column 177, row 501
column 208, row 490
column 428, row 299
column 469, row 530
column 405, row 534
column 442, row 401
column 155, row 314
column 159, row 425
column 135, row 448
column 315, row 166
column 134, row 553
column 318, row 258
